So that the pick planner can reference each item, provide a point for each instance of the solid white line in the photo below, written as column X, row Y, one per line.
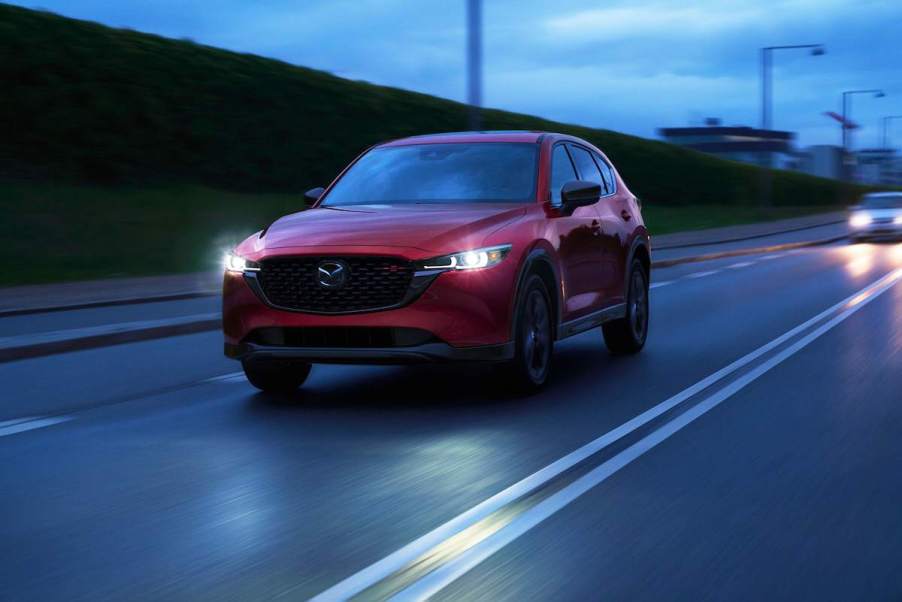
column 435, row 581
column 774, row 256
column 741, row 264
column 702, row 274
column 17, row 421
column 31, row 424
column 227, row 378
column 659, row 284
column 395, row 561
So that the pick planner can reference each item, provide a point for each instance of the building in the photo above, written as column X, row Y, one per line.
column 738, row 143
column 824, row 161
column 878, row 166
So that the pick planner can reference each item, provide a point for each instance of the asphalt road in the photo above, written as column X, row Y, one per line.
column 752, row 451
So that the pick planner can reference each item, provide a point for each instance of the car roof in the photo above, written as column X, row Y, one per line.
column 452, row 137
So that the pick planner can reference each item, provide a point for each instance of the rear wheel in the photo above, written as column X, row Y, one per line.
column 276, row 376
column 534, row 338
column 628, row 334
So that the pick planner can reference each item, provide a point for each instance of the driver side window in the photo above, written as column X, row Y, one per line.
column 561, row 172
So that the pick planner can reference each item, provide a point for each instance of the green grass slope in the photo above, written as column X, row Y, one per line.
column 86, row 103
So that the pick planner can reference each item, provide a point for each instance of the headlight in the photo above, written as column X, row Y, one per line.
column 898, row 219
column 860, row 220
column 468, row 260
column 236, row 263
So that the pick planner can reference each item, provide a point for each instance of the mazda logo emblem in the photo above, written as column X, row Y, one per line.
column 332, row 273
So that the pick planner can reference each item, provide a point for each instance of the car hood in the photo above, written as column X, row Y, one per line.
column 433, row 228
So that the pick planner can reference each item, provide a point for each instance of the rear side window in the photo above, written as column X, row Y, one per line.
column 586, row 166
column 606, row 172
column 561, row 172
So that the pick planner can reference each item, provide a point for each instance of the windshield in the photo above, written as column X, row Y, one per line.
column 882, row 201
column 483, row 172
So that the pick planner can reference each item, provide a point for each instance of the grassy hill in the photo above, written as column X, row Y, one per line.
column 121, row 113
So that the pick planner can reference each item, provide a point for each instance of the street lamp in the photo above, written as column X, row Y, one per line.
column 847, row 112
column 885, row 139
column 766, row 61
column 816, row 50
column 474, row 62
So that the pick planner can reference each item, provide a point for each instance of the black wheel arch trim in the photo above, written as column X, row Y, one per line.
column 638, row 242
column 535, row 256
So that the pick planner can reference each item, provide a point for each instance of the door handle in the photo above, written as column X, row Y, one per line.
column 626, row 215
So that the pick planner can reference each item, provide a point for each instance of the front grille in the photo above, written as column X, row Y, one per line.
column 341, row 336
column 371, row 283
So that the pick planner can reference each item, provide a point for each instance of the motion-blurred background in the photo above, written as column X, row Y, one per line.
column 149, row 135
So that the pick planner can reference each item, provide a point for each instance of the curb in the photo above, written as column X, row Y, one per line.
column 666, row 263
column 31, row 346
column 24, row 311
column 724, row 241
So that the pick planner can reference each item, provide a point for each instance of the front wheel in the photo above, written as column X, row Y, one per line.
column 628, row 334
column 276, row 376
column 533, row 337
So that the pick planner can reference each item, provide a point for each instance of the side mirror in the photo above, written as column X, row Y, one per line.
column 312, row 195
column 578, row 193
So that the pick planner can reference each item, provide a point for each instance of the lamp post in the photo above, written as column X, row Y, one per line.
column 766, row 94
column 846, row 116
column 766, row 100
column 474, row 62
column 885, row 139
column 847, row 112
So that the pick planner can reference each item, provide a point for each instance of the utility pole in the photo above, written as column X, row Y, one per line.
column 474, row 62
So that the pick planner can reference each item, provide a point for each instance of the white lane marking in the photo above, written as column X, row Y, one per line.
column 702, row 274
column 232, row 377
column 11, row 427
column 659, row 284
column 395, row 561
column 741, row 264
column 774, row 256
column 435, row 581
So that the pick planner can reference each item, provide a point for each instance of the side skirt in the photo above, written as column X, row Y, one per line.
column 593, row 320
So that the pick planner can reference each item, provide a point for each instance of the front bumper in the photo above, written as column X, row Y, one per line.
column 426, row 353
column 461, row 309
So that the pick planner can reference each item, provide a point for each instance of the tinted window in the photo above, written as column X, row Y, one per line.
column 561, row 172
column 440, row 173
column 882, row 201
column 586, row 166
column 606, row 172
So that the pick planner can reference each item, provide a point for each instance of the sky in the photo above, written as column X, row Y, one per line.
column 626, row 65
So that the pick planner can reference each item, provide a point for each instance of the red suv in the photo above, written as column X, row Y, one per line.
column 486, row 246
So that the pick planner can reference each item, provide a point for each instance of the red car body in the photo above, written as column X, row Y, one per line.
column 583, row 258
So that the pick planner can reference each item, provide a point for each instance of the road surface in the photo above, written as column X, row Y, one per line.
column 752, row 451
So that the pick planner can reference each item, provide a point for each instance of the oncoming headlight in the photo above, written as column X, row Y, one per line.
column 237, row 263
column 859, row 220
column 468, row 260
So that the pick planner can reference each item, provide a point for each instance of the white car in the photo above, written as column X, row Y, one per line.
column 878, row 215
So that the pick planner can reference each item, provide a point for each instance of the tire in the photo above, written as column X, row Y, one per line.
column 627, row 335
column 533, row 338
column 276, row 376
